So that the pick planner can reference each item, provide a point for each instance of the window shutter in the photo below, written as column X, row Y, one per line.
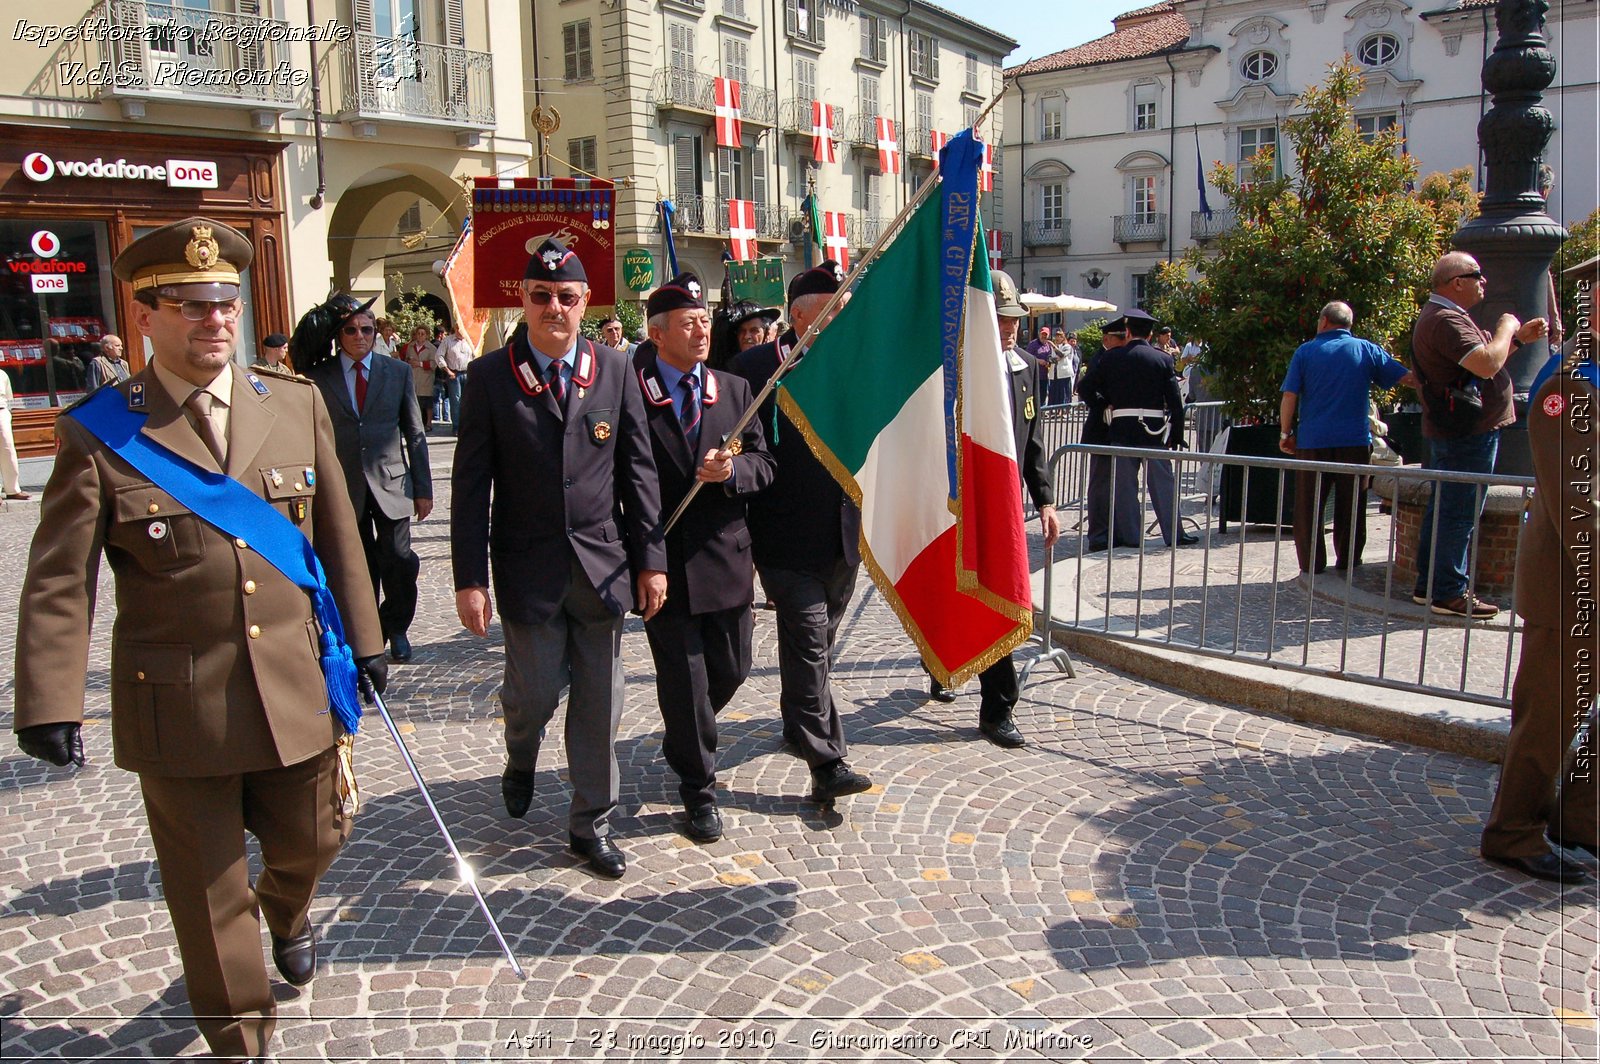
column 758, row 176
column 725, row 173
column 684, row 181
column 361, row 12
column 818, row 22
column 791, row 17
column 933, row 57
column 585, row 54
column 867, row 36
column 881, row 54
column 455, row 23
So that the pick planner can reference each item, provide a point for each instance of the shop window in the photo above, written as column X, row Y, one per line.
column 55, row 305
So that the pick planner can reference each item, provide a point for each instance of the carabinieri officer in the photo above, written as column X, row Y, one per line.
column 701, row 638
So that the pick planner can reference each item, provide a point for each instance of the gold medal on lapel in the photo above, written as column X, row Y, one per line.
column 602, row 431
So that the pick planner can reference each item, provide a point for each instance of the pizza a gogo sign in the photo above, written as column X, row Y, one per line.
column 177, row 173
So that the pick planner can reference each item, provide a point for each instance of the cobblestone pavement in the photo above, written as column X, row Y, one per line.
column 1153, row 878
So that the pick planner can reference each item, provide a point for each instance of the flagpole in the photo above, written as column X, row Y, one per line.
column 885, row 236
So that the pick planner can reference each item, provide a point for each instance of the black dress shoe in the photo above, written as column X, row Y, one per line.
column 1587, row 847
column 835, row 780
column 1002, row 731
column 399, row 648
column 1093, row 548
column 704, row 826
column 516, row 787
column 1551, row 867
column 939, row 692
column 601, row 854
column 296, row 956
column 1187, row 540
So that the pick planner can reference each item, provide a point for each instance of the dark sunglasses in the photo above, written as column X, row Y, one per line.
column 1476, row 275
column 358, row 330
column 542, row 298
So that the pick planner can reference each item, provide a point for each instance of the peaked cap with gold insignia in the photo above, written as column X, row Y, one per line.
column 197, row 258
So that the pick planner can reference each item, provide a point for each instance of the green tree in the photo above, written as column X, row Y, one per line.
column 410, row 311
column 1348, row 224
column 627, row 312
column 1583, row 244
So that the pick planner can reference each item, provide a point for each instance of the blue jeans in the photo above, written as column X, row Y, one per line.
column 1459, row 507
column 450, row 393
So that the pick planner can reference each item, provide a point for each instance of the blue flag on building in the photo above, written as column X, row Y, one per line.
column 1200, row 174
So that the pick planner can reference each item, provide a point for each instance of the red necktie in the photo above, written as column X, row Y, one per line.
column 361, row 388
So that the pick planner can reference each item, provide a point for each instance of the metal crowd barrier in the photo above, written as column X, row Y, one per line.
column 1240, row 595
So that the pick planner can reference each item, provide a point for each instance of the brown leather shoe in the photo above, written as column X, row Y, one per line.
column 296, row 956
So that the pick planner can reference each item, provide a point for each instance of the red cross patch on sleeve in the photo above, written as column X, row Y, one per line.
column 1554, row 404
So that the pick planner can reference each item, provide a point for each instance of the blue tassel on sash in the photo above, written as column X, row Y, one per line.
column 236, row 511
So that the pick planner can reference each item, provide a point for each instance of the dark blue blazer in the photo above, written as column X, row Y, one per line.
column 532, row 482
column 804, row 521
column 708, row 550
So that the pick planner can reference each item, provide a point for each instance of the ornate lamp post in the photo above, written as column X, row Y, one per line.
column 1512, row 237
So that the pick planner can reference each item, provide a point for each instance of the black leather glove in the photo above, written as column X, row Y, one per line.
column 59, row 744
column 376, row 670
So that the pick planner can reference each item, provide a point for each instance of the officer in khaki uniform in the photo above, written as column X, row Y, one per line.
column 217, row 699
column 1547, row 784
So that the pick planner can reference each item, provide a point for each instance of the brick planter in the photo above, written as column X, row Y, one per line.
column 1496, row 545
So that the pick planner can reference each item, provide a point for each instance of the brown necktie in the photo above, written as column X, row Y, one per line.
column 199, row 404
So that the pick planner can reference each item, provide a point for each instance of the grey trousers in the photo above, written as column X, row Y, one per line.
column 810, row 607
column 580, row 645
column 1124, row 521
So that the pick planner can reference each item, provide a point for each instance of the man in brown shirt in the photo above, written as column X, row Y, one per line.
column 218, row 700
column 1449, row 349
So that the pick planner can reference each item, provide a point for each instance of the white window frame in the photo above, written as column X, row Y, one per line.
column 1255, row 59
column 1241, row 157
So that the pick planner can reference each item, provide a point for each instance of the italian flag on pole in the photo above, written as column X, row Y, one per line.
column 906, row 399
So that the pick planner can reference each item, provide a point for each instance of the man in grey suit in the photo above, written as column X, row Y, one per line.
column 378, row 433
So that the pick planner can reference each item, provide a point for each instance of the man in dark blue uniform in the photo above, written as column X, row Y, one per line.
column 1138, row 383
column 1122, row 528
column 701, row 639
column 806, row 535
column 554, row 480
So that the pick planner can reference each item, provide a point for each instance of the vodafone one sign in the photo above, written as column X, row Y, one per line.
column 177, row 173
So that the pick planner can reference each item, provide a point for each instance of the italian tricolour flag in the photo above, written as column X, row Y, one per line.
column 906, row 399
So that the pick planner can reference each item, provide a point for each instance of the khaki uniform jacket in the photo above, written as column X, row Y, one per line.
column 214, row 663
column 1561, row 537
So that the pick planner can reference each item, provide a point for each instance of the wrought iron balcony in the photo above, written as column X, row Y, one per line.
column 172, row 51
column 864, row 229
column 696, row 214
column 401, row 79
column 1007, row 243
column 861, row 132
column 1048, row 234
column 1139, row 228
column 1202, row 228
column 685, row 90
column 919, row 142
column 794, row 118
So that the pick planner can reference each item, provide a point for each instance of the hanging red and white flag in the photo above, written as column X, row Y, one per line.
column 888, row 147
column 986, row 171
column 835, row 239
column 937, row 142
column 995, row 261
column 822, row 127
column 742, row 229
column 730, row 127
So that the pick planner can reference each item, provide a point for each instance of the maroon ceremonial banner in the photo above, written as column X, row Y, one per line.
column 511, row 217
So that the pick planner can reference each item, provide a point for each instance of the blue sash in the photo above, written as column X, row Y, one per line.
column 235, row 510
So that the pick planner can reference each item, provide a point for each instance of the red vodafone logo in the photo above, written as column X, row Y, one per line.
column 46, row 244
column 39, row 166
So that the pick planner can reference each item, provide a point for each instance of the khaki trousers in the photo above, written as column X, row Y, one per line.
column 198, row 825
column 1546, row 716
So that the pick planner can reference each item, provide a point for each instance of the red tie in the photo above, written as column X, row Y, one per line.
column 361, row 388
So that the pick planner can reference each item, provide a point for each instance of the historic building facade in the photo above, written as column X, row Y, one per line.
column 1106, row 144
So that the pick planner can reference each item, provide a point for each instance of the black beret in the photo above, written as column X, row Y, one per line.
column 275, row 340
column 683, row 292
column 554, row 262
column 823, row 279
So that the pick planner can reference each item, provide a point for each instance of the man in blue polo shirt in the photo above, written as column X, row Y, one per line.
column 1329, row 386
